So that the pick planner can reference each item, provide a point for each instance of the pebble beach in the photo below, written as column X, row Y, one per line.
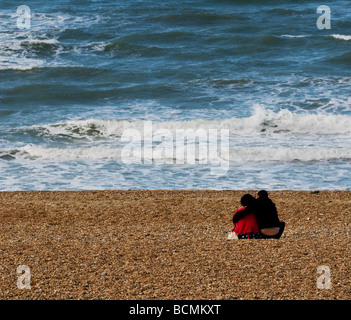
column 158, row 245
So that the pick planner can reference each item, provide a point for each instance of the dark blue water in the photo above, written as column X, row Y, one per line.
column 96, row 95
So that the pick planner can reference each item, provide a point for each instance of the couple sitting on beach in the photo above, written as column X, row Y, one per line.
column 257, row 219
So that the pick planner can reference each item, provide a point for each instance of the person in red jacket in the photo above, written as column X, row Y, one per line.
column 247, row 227
column 271, row 227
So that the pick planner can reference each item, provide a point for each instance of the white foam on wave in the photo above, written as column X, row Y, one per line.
column 63, row 154
column 335, row 36
column 287, row 154
column 302, row 123
column 167, row 153
column 14, row 53
column 341, row 37
column 45, row 29
column 19, row 63
column 262, row 121
column 294, row 36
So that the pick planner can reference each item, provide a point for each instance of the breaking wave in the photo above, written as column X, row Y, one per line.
column 167, row 153
column 262, row 121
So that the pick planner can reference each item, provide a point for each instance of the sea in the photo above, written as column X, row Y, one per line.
column 146, row 94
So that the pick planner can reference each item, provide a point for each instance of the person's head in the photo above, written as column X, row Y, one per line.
column 246, row 199
column 262, row 194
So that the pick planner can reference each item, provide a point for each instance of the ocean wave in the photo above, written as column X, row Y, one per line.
column 167, row 153
column 125, row 49
column 341, row 37
column 288, row 12
column 294, row 36
column 334, row 36
column 46, row 43
column 41, row 47
column 270, row 40
column 20, row 63
column 219, row 83
column 6, row 112
column 28, row 53
column 262, row 121
column 198, row 18
column 341, row 59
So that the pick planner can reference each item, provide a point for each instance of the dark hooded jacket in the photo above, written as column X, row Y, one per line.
column 264, row 210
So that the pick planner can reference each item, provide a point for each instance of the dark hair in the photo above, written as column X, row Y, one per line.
column 246, row 199
column 262, row 193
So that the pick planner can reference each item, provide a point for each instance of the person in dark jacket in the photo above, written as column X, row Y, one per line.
column 266, row 214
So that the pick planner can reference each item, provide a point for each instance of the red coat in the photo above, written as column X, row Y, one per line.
column 246, row 224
